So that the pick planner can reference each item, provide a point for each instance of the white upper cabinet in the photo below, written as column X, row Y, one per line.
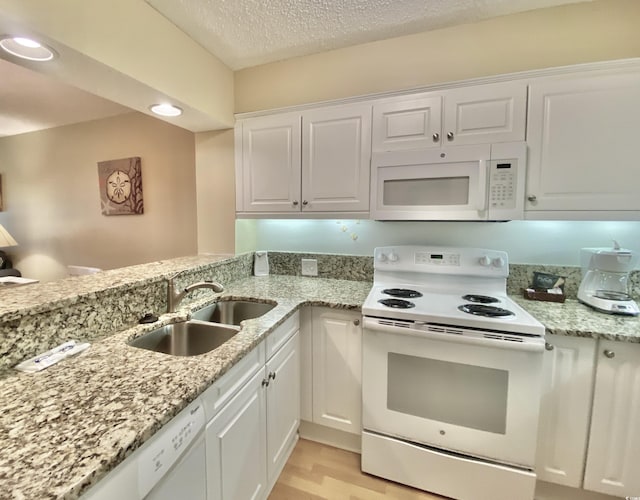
column 314, row 161
column 268, row 177
column 336, row 154
column 479, row 114
column 583, row 146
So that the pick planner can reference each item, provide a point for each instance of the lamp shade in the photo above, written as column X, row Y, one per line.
column 6, row 240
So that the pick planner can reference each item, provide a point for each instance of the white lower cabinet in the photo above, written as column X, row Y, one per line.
column 337, row 369
column 283, row 406
column 236, row 446
column 565, row 408
column 614, row 446
column 249, row 439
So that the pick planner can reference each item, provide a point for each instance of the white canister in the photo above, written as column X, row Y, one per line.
column 260, row 263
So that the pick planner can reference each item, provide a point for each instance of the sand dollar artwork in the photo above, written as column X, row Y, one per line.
column 118, row 187
column 121, row 186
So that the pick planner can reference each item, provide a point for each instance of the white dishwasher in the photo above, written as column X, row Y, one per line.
column 170, row 465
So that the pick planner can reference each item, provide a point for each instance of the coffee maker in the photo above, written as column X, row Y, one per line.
column 605, row 276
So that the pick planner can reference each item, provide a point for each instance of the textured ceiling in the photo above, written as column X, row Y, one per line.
column 245, row 33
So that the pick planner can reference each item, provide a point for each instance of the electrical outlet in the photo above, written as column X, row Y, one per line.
column 309, row 267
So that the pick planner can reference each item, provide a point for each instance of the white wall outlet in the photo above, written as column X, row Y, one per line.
column 309, row 267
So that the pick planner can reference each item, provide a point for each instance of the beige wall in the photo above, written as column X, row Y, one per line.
column 215, row 181
column 52, row 200
column 570, row 34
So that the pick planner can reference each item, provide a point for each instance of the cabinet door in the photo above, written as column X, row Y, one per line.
column 337, row 369
column 583, row 137
column 269, row 174
column 336, row 155
column 283, row 405
column 236, row 446
column 484, row 114
column 614, row 441
column 565, row 408
column 407, row 123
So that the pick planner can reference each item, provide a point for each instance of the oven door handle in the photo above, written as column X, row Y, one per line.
column 531, row 344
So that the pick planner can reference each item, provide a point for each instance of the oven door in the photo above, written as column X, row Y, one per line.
column 439, row 184
column 473, row 396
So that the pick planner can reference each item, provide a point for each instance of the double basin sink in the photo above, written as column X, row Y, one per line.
column 208, row 328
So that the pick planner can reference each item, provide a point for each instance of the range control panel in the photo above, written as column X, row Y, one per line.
column 441, row 260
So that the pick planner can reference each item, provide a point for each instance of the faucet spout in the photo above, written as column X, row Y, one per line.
column 174, row 298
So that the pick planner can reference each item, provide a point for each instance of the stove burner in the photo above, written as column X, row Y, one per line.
column 482, row 310
column 402, row 292
column 480, row 299
column 397, row 303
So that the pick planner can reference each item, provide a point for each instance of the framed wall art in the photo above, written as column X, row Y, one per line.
column 121, row 186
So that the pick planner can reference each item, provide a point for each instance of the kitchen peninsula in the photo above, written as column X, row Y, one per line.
column 63, row 429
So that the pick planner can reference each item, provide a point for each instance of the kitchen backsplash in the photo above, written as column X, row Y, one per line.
column 355, row 267
column 35, row 318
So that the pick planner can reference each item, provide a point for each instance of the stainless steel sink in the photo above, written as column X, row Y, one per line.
column 232, row 312
column 187, row 338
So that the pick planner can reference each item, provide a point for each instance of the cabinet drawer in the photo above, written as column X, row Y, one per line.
column 216, row 396
column 279, row 337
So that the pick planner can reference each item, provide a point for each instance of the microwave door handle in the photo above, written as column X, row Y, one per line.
column 481, row 203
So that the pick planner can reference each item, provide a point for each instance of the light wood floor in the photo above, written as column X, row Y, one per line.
column 319, row 472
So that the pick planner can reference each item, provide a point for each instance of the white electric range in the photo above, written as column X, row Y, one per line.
column 451, row 374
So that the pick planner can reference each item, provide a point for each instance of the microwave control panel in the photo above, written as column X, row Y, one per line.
column 503, row 179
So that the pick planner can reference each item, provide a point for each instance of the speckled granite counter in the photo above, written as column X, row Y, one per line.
column 63, row 429
column 576, row 319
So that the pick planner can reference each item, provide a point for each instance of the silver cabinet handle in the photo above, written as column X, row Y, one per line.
column 548, row 346
column 533, row 198
column 305, row 203
column 295, row 203
column 609, row 354
column 436, row 137
column 356, row 322
column 450, row 136
column 272, row 375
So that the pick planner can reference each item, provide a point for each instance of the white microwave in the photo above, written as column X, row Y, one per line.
column 483, row 182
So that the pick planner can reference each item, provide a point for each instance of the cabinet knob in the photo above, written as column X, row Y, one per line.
column 272, row 375
column 436, row 137
column 295, row 203
column 533, row 198
column 305, row 203
column 609, row 354
column 450, row 136
column 265, row 382
column 548, row 346
column 356, row 322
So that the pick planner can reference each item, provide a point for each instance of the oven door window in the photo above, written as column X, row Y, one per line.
column 469, row 396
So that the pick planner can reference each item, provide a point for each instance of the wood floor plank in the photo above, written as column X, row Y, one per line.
column 316, row 471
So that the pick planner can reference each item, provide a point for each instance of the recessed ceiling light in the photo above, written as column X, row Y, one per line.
column 26, row 48
column 166, row 110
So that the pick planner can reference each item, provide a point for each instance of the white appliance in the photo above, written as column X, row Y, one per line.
column 477, row 182
column 451, row 375
column 170, row 465
column 604, row 284
column 260, row 263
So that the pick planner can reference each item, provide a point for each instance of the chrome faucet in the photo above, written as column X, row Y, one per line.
column 174, row 298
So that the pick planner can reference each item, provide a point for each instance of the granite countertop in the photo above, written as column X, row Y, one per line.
column 64, row 428
column 578, row 320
